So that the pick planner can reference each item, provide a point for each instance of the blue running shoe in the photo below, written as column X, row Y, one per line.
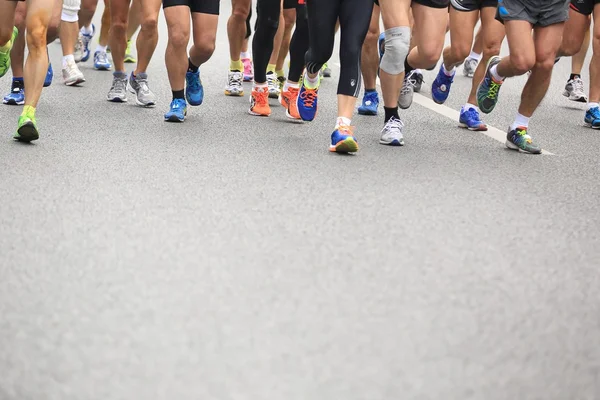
column 343, row 141
column 16, row 97
column 194, row 92
column 49, row 76
column 307, row 102
column 440, row 88
column 85, row 40
column 592, row 118
column 101, row 62
column 469, row 119
column 177, row 111
column 369, row 104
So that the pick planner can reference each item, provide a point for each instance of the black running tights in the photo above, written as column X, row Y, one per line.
column 298, row 44
column 267, row 14
column 354, row 17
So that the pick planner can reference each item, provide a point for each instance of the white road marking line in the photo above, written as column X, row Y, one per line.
column 448, row 112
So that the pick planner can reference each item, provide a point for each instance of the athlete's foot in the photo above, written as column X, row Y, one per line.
column 440, row 88
column 343, row 141
column 518, row 139
column 487, row 92
column 118, row 90
column 391, row 133
column 273, row 85
column 370, row 104
column 86, row 39
column 177, row 111
column 470, row 120
column 5, row 54
column 129, row 57
column 289, row 101
column 418, row 78
column 407, row 91
column 194, row 91
column 72, row 75
column 325, row 71
column 234, row 84
column 139, row 86
column 27, row 130
column 16, row 97
column 574, row 90
column 49, row 76
column 248, row 72
column 101, row 62
column 469, row 67
column 259, row 102
column 592, row 118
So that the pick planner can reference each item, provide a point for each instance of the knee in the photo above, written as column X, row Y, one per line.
column 289, row 19
column 118, row 25
column 491, row 49
column 206, row 45
column 397, row 43
column 544, row 63
column 240, row 11
column 5, row 34
column 179, row 39
column 460, row 50
column 36, row 36
column 372, row 37
column 430, row 55
column 150, row 24
column 570, row 46
column 52, row 32
column 522, row 63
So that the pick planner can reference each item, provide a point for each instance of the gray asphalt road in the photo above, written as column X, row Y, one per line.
column 234, row 258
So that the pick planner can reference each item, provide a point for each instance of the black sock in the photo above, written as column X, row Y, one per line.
column 178, row 94
column 391, row 112
column 370, row 90
column 407, row 68
column 573, row 76
column 192, row 67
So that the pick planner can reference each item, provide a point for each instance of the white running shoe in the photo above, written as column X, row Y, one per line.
column 469, row 67
column 72, row 75
column 391, row 134
column 234, row 84
column 574, row 90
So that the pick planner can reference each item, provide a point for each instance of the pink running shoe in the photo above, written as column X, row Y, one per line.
column 248, row 73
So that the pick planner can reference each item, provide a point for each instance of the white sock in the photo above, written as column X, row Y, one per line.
column 289, row 84
column 87, row 30
column 342, row 121
column 475, row 56
column 101, row 49
column 469, row 105
column 448, row 73
column 494, row 72
column 591, row 105
column 244, row 54
column 66, row 60
column 260, row 85
column 520, row 121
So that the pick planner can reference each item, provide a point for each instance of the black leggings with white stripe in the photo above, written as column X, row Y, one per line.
column 354, row 17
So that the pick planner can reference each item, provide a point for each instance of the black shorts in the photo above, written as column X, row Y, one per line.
column 433, row 3
column 472, row 5
column 585, row 7
column 289, row 4
column 196, row 6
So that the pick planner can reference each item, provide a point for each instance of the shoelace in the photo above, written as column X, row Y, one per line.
column 523, row 134
column 235, row 79
column 308, row 97
column 272, row 81
column 493, row 91
column 472, row 114
column 394, row 125
column 346, row 130
column 102, row 58
column 409, row 83
column 577, row 85
column 143, row 85
column 261, row 97
column 119, row 84
column 195, row 83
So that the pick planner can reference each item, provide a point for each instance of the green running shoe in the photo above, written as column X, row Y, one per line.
column 27, row 130
column 518, row 139
column 129, row 57
column 487, row 92
column 5, row 55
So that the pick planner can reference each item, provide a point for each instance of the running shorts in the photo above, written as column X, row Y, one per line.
column 585, row 7
column 196, row 6
column 473, row 5
column 536, row 12
column 428, row 3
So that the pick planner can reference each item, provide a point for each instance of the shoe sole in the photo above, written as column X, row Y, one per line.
column 130, row 61
column 577, row 99
column 76, row 82
column 27, row 133
column 513, row 146
column 258, row 114
column 117, row 100
column 137, row 101
column 13, row 103
column 234, row 94
column 478, row 129
column 589, row 125
column 367, row 112
column 174, row 118
column 394, row 142
column 346, row 146
column 248, row 79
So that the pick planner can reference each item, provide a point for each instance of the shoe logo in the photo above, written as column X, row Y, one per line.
column 352, row 82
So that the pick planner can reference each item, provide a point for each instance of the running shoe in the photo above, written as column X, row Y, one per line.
column 139, row 86
column 487, row 92
column 370, row 103
column 518, row 139
column 407, row 91
column 49, row 76
column 592, row 118
column 78, row 52
column 194, row 91
column 325, row 71
column 289, row 100
column 118, row 90
column 5, row 55
column 129, row 57
column 177, row 111
column 27, row 130
column 440, row 88
column 469, row 67
column 391, row 134
column 72, row 75
column 280, row 82
column 273, row 85
column 248, row 72
column 470, row 120
column 101, row 62
column 16, row 97
column 418, row 77
column 343, row 141
column 307, row 102
column 86, row 39
column 234, row 84
column 259, row 102
column 574, row 90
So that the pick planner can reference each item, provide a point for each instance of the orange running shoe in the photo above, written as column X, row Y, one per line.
column 289, row 100
column 259, row 102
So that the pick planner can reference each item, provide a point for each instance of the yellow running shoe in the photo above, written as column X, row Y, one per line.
column 129, row 58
